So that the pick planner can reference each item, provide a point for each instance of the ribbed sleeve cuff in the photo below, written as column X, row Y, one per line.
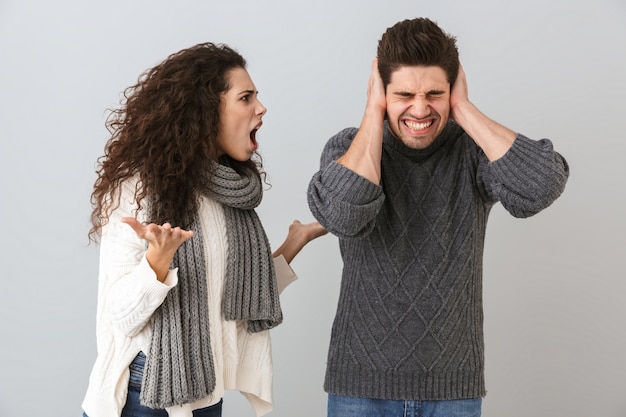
column 528, row 161
column 529, row 177
column 353, row 188
column 284, row 273
column 145, row 271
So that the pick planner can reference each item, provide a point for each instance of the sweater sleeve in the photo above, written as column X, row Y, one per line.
column 528, row 178
column 284, row 274
column 345, row 203
column 129, row 289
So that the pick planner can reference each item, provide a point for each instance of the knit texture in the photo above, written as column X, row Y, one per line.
column 179, row 367
column 409, row 323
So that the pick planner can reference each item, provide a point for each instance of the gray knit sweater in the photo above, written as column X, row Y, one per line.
column 409, row 322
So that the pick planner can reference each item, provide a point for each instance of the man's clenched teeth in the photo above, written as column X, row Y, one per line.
column 418, row 126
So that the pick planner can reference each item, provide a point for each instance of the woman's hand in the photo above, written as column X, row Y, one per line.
column 297, row 237
column 163, row 241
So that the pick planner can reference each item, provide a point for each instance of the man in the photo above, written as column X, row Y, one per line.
column 408, row 194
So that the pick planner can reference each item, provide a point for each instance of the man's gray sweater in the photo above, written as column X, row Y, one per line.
column 409, row 322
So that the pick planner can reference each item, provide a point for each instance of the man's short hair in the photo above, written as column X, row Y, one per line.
column 417, row 42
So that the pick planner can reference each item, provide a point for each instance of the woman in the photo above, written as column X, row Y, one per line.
column 188, row 288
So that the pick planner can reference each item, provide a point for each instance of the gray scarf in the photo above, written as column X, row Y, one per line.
column 179, row 367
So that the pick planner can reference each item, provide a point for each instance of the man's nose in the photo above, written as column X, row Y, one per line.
column 421, row 106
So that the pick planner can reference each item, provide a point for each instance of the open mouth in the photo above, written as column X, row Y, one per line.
column 253, row 138
column 255, row 145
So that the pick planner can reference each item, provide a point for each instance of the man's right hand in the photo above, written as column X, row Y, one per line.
column 365, row 153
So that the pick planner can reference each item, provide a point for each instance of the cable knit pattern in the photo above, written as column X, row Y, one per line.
column 179, row 367
column 409, row 322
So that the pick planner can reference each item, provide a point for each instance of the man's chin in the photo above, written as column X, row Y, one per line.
column 419, row 142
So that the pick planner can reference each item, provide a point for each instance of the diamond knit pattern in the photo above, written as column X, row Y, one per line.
column 409, row 322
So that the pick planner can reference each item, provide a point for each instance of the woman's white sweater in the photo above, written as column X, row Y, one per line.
column 128, row 295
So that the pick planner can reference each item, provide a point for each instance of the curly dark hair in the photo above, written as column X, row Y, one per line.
column 417, row 41
column 163, row 133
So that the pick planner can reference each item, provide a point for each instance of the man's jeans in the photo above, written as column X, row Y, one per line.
column 342, row 406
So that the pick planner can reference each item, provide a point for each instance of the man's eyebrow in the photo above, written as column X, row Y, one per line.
column 405, row 93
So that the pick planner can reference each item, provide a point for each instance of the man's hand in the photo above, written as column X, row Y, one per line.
column 163, row 241
column 493, row 138
column 459, row 93
column 365, row 153
column 376, row 100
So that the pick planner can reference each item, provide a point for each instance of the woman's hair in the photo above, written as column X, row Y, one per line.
column 417, row 42
column 163, row 134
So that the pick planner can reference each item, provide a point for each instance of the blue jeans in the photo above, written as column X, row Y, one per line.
column 342, row 406
column 133, row 408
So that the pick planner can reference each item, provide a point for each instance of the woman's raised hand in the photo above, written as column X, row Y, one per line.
column 163, row 241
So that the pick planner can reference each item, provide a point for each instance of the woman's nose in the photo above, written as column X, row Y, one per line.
column 261, row 110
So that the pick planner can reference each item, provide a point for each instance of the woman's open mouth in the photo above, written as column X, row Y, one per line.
column 253, row 139
column 255, row 145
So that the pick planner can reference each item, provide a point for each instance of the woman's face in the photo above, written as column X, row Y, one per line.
column 240, row 117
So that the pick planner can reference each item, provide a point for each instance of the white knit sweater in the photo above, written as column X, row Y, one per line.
column 128, row 295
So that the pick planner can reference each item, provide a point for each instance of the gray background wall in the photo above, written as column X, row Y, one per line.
column 554, row 283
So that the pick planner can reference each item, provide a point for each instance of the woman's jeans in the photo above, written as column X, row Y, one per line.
column 342, row 406
column 133, row 407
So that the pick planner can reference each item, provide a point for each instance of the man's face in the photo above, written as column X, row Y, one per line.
column 418, row 104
